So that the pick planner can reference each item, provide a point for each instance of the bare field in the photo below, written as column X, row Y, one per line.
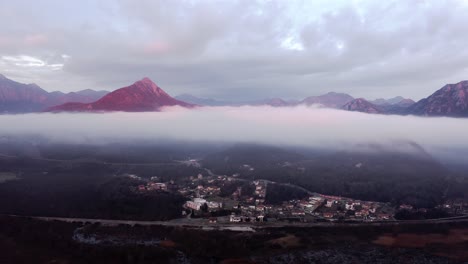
column 453, row 244
column 7, row 176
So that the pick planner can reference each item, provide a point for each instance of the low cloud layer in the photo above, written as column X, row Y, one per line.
column 295, row 126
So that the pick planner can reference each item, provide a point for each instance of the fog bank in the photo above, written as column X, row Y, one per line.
column 296, row 126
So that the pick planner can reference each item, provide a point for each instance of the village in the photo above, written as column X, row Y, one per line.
column 225, row 199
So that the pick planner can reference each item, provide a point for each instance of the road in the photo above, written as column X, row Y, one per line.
column 197, row 224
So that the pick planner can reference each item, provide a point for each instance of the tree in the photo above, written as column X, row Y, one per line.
column 204, row 208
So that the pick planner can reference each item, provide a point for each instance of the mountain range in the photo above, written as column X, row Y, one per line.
column 16, row 97
column 144, row 95
column 213, row 102
column 328, row 100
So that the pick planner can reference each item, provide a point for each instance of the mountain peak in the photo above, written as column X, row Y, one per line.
column 146, row 85
column 331, row 99
column 391, row 101
column 275, row 102
column 450, row 100
column 336, row 94
column 361, row 105
column 458, row 84
column 146, row 80
column 142, row 96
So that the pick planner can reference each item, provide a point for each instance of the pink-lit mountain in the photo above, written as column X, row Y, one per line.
column 362, row 105
column 450, row 100
column 17, row 97
column 142, row 96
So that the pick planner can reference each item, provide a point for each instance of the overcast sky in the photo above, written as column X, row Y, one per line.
column 238, row 49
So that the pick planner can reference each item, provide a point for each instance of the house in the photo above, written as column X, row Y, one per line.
column 259, row 201
column 383, row 216
column 196, row 204
column 361, row 213
column 214, row 205
column 133, row 176
column 330, row 203
column 297, row 213
column 406, row 207
column 235, row 219
column 316, row 199
column 328, row 215
column 157, row 186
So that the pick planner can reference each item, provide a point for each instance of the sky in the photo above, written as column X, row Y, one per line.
column 238, row 50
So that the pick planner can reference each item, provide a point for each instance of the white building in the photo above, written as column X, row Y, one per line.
column 215, row 205
column 196, row 204
column 329, row 203
column 235, row 219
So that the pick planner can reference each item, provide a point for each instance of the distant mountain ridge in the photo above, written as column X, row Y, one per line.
column 362, row 105
column 142, row 96
column 17, row 97
column 213, row 102
column 200, row 101
column 450, row 100
column 331, row 99
column 391, row 101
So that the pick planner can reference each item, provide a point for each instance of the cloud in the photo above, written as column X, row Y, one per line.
column 294, row 126
column 243, row 49
column 25, row 61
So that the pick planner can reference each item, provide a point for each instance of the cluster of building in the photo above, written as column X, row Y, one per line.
column 199, row 203
column 260, row 191
column 204, row 196
column 321, row 207
column 154, row 184
column 346, row 208
column 241, row 218
column 200, row 186
column 456, row 207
